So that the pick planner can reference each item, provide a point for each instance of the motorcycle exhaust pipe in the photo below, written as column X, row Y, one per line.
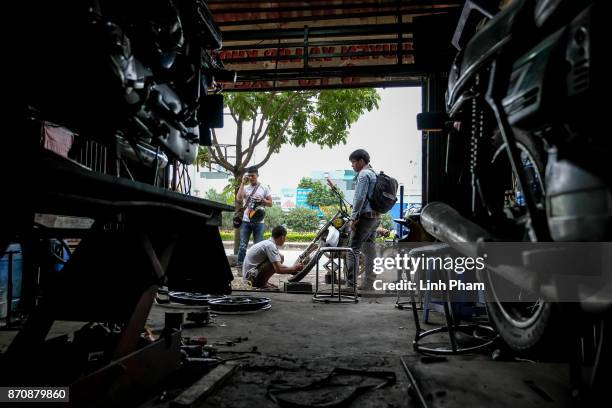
column 446, row 224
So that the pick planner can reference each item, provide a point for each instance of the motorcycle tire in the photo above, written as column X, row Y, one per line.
column 308, row 266
column 538, row 335
column 312, row 260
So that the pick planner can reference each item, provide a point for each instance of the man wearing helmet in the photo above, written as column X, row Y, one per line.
column 257, row 197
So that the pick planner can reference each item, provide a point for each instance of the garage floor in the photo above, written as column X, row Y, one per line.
column 297, row 342
column 300, row 341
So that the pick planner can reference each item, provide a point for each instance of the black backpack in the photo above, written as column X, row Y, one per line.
column 384, row 194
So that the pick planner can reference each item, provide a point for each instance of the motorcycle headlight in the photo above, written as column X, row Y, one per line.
column 338, row 223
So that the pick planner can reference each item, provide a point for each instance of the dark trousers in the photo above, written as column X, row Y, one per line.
column 362, row 240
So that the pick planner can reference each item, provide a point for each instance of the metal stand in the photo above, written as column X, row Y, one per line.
column 333, row 296
column 399, row 303
column 451, row 326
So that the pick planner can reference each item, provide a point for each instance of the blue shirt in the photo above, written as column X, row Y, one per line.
column 366, row 179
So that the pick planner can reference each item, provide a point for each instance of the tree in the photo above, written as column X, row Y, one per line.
column 302, row 219
column 387, row 221
column 274, row 216
column 272, row 119
column 306, row 182
column 225, row 197
column 329, row 211
column 321, row 195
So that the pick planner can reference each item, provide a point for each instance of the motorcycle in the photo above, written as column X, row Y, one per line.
column 524, row 103
column 127, row 89
column 334, row 233
column 142, row 81
column 411, row 229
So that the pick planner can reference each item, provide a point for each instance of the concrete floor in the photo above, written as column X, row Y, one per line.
column 300, row 340
column 297, row 326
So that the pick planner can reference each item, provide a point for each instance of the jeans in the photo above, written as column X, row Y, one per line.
column 363, row 236
column 257, row 228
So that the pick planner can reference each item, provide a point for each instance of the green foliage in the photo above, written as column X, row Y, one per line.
column 329, row 211
column 322, row 117
column 387, row 221
column 321, row 195
column 225, row 198
column 232, row 186
column 302, row 220
column 306, row 182
column 274, row 216
column 292, row 236
column 203, row 158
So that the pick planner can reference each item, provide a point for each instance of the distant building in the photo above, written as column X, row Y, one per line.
column 276, row 200
column 288, row 198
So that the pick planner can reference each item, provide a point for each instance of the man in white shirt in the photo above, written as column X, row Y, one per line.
column 263, row 260
column 257, row 197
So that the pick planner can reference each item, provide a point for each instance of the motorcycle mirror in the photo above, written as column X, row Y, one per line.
column 211, row 111
column 432, row 121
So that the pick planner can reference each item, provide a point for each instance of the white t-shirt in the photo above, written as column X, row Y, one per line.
column 261, row 193
column 262, row 251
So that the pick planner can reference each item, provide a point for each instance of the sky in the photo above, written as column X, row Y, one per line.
column 388, row 134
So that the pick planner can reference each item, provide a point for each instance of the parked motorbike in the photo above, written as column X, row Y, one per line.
column 524, row 111
column 412, row 231
column 334, row 233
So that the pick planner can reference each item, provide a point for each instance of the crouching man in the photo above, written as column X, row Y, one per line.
column 263, row 260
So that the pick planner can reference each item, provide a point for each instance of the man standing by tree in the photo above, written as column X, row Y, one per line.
column 256, row 196
column 364, row 221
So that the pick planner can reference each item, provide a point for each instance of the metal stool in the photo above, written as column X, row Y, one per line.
column 451, row 327
column 405, row 304
column 333, row 297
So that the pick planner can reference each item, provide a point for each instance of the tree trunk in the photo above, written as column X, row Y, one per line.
column 237, row 206
column 236, row 232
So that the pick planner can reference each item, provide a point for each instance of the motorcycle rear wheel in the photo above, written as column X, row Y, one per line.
column 531, row 328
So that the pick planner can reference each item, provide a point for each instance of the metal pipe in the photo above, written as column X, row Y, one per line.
column 324, row 32
column 400, row 227
column 319, row 7
column 145, row 153
column 313, row 44
column 344, row 16
column 389, row 53
column 445, row 223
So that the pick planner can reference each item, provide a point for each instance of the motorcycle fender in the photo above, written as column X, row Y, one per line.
column 531, row 78
column 554, row 81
